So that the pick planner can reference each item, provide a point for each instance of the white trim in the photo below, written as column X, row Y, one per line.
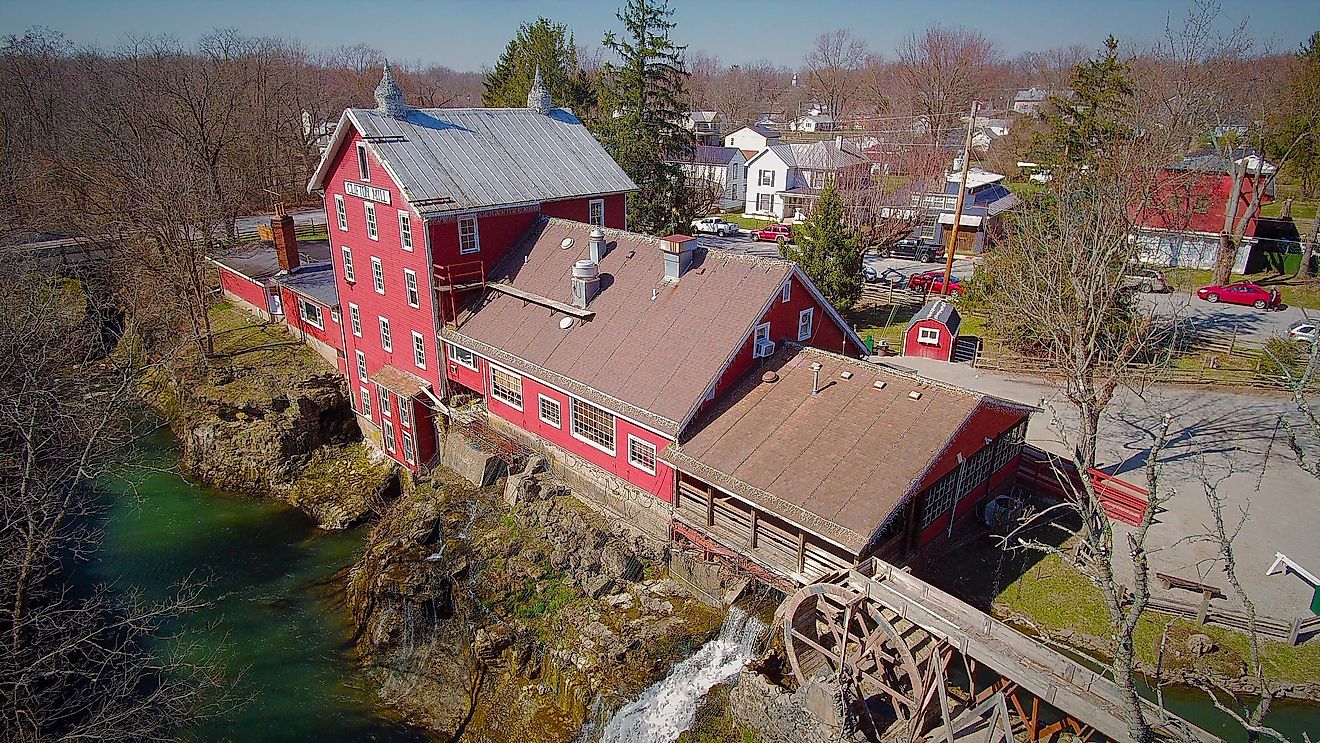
column 568, row 394
column 834, row 315
column 350, row 273
column 476, row 235
column 405, row 219
column 809, row 315
column 540, row 412
column 490, row 373
column 386, row 334
column 655, row 454
column 365, row 408
column 387, row 434
column 355, row 320
column 373, row 227
column 361, row 366
column 363, row 161
column 612, row 452
column 591, row 203
column 786, row 292
column 755, row 330
column 928, row 336
column 419, row 337
column 449, row 352
column 377, row 275
column 383, row 396
column 408, row 444
column 303, row 315
column 341, row 213
column 410, row 290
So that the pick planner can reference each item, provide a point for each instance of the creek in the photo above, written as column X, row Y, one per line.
column 276, row 617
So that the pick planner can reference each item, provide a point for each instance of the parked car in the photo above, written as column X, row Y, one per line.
column 891, row 277
column 1241, row 292
column 933, row 282
column 773, row 232
column 715, row 226
column 1144, row 280
column 1304, row 330
column 914, row 248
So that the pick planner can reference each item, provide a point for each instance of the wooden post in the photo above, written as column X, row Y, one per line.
column 1205, row 606
column 678, row 490
column 755, row 521
column 710, row 506
column 802, row 551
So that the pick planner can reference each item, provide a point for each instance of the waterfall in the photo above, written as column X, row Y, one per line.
column 669, row 706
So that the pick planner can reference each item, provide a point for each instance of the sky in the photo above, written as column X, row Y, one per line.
column 470, row 34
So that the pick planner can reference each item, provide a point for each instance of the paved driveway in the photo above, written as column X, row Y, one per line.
column 1250, row 324
column 1230, row 438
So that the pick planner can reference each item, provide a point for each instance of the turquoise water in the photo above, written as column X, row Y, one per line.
column 277, row 618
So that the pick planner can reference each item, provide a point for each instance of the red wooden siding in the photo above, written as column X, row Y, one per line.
column 577, row 210
column 329, row 335
column 942, row 351
column 244, row 288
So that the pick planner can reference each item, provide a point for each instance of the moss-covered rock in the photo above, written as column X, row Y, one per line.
column 339, row 485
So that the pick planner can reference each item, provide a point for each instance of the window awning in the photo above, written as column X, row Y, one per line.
column 967, row 220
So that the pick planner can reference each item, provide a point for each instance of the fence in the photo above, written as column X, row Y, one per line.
column 1056, row 477
column 1293, row 632
column 316, row 227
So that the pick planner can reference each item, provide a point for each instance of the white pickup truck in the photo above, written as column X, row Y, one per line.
column 714, row 226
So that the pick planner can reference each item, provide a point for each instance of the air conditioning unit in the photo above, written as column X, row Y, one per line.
column 764, row 347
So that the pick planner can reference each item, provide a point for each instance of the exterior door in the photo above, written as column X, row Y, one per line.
column 273, row 301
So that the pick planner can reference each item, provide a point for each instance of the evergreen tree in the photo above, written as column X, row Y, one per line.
column 1294, row 124
column 641, row 114
column 549, row 46
column 828, row 251
column 1083, row 129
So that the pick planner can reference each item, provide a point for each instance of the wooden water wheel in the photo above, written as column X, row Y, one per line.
column 831, row 628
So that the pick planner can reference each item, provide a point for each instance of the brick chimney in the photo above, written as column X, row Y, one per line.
column 286, row 242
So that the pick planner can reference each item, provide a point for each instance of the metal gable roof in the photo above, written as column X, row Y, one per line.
column 458, row 159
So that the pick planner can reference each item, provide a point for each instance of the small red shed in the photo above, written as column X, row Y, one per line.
column 933, row 331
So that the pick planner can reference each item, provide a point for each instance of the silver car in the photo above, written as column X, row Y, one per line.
column 1303, row 330
column 1145, row 280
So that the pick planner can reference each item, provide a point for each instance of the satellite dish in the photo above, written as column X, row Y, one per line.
column 565, row 322
column 567, row 243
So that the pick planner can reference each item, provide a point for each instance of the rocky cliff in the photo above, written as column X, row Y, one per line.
column 504, row 618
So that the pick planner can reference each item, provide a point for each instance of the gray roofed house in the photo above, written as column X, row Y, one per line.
column 460, row 159
column 315, row 281
column 829, row 155
column 256, row 259
column 941, row 312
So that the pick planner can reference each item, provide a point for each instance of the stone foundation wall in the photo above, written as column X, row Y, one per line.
column 809, row 715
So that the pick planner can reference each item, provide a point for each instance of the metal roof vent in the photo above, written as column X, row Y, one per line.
column 389, row 96
column 586, row 282
column 566, row 243
column 565, row 322
column 878, row 384
column 914, row 395
column 845, row 375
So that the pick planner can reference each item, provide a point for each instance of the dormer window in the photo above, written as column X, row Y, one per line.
column 364, row 170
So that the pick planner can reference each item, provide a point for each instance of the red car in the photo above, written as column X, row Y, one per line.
column 773, row 232
column 1241, row 292
column 933, row 282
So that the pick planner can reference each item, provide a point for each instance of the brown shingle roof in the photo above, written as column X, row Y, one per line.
column 400, row 382
column 840, row 462
column 652, row 348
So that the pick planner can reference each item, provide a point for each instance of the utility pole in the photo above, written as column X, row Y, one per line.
column 958, row 208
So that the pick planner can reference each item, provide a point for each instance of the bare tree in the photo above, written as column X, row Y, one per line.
column 833, row 66
column 944, row 70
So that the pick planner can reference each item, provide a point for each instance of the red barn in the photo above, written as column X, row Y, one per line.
column 1182, row 224
column 933, row 331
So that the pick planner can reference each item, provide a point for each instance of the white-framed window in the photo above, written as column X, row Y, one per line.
column 805, row 318
column 928, row 336
column 366, row 402
column 786, row 293
column 596, row 212
column 348, row 265
column 310, row 313
column 384, row 396
column 341, row 213
column 386, row 340
column 764, row 202
column 355, row 319
column 410, row 284
column 364, row 169
column 592, row 425
column 377, row 275
column 766, row 177
column 370, row 209
column 550, row 411
column 405, row 412
column 761, row 333
column 506, row 387
column 362, row 366
column 641, row 454
column 463, row 356
column 419, row 350
column 386, row 430
column 405, row 230
column 408, row 455
column 468, row 239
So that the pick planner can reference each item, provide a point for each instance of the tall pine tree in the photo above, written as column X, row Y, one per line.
column 828, row 251
column 1083, row 129
column 549, row 46
column 640, row 117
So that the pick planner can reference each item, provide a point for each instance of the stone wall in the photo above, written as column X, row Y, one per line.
column 812, row 714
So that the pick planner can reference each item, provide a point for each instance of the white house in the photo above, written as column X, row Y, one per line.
column 784, row 180
column 812, row 122
column 752, row 138
column 718, row 172
column 1029, row 101
column 704, row 125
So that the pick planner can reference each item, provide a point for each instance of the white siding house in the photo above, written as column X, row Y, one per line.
column 753, row 138
column 784, row 180
column 717, row 172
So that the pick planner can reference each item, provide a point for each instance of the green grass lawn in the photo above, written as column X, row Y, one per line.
column 263, row 360
column 748, row 223
column 1295, row 290
column 888, row 322
column 1057, row 597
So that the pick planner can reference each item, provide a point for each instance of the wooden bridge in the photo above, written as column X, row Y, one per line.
column 894, row 638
